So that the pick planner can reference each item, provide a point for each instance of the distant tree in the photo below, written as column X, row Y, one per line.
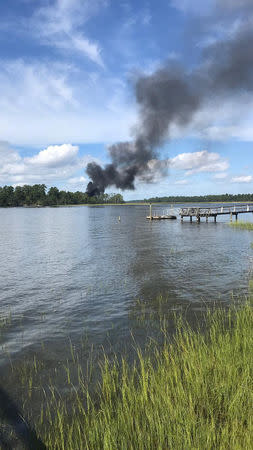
column 19, row 196
column 7, row 196
column 38, row 194
column 53, row 196
column 116, row 198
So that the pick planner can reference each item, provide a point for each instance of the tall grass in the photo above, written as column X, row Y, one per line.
column 242, row 225
column 194, row 392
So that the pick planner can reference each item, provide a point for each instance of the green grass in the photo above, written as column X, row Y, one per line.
column 242, row 225
column 194, row 392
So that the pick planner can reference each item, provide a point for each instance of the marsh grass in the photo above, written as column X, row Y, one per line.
column 194, row 392
column 242, row 225
column 5, row 322
column 190, row 391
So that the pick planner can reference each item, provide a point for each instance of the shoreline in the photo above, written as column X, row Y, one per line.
column 126, row 204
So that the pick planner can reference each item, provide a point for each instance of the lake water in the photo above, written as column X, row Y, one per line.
column 80, row 273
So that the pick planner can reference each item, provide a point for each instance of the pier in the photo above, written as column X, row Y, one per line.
column 198, row 213
column 166, row 215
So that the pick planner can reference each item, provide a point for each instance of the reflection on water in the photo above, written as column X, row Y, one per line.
column 81, row 273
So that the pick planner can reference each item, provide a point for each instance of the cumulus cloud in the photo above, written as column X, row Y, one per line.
column 7, row 155
column 197, row 162
column 242, row 179
column 56, row 163
column 55, row 156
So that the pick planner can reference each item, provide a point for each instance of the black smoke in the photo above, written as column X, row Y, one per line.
column 172, row 96
column 164, row 98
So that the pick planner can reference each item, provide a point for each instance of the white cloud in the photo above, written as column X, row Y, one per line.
column 193, row 6
column 196, row 162
column 47, row 103
column 146, row 18
column 242, row 179
column 37, row 87
column 232, row 119
column 7, row 155
column 55, row 164
column 224, row 133
column 58, row 24
column 77, row 180
column 182, row 182
column 55, row 156
column 220, row 176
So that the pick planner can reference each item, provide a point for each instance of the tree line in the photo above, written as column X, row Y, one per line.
column 202, row 198
column 39, row 195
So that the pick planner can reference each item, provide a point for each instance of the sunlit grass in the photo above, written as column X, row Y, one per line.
column 192, row 393
column 242, row 225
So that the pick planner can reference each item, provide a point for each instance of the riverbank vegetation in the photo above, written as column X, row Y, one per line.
column 220, row 198
column 242, row 225
column 38, row 195
column 192, row 391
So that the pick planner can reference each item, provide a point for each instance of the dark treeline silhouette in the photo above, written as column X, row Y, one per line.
column 203, row 198
column 38, row 195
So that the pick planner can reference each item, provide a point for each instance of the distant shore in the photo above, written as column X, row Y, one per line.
column 133, row 203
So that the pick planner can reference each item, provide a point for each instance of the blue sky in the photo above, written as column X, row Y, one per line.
column 67, row 77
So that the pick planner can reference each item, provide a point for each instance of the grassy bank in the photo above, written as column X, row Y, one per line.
column 242, row 225
column 192, row 393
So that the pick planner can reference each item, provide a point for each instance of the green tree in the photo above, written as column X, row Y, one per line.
column 53, row 196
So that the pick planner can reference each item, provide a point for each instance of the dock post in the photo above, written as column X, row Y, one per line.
column 191, row 219
column 198, row 218
column 182, row 219
column 150, row 211
column 231, row 217
column 206, row 218
column 236, row 217
column 215, row 217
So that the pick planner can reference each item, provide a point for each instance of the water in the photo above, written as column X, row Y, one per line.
column 79, row 272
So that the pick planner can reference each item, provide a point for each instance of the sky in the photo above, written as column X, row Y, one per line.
column 68, row 77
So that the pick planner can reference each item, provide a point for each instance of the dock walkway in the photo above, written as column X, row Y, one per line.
column 214, row 212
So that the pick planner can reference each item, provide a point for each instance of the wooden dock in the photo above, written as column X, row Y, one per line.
column 166, row 215
column 214, row 212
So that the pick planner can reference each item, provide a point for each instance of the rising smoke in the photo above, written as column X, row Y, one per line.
column 172, row 96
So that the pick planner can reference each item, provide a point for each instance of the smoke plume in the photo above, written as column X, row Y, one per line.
column 172, row 96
